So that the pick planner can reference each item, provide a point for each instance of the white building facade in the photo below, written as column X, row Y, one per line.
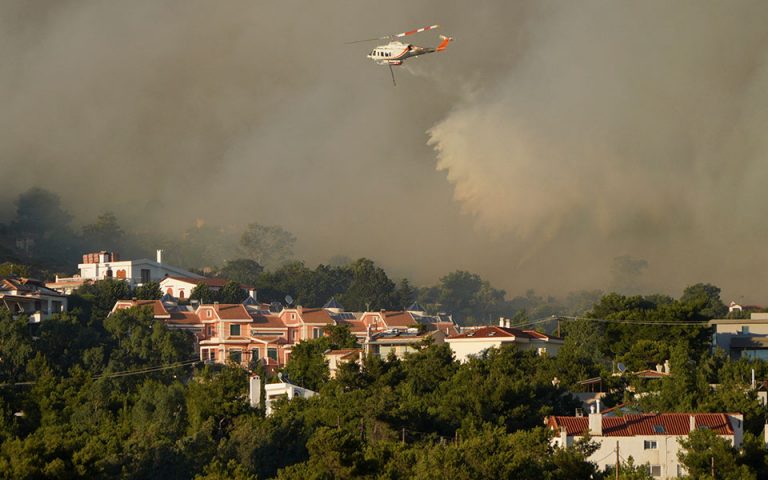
column 105, row 265
column 474, row 342
column 651, row 439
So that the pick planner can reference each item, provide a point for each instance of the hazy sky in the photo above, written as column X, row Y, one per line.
column 548, row 139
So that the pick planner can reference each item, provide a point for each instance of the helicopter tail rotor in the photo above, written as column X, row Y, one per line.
column 444, row 44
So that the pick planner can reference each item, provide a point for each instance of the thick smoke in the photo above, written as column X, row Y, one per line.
column 625, row 127
column 569, row 133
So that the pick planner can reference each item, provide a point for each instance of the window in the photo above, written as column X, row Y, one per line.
column 745, row 329
column 272, row 353
column 208, row 313
column 649, row 445
column 654, row 470
column 255, row 354
column 236, row 356
column 317, row 332
column 659, row 429
column 145, row 275
column 234, row 330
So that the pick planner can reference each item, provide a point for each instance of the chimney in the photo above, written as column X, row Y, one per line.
column 692, row 422
column 597, row 403
column 508, row 323
column 216, row 306
column 159, row 256
column 501, row 321
column 252, row 293
column 666, row 367
column 595, row 422
column 659, row 368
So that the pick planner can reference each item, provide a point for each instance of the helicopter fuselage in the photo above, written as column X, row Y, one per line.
column 394, row 53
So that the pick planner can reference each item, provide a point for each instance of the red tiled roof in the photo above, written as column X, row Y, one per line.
column 644, row 424
column 232, row 311
column 398, row 319
column 354, row 325
column 158, row 309
column 184, row 318
column 493, row 332
column 343, row 352
column 267, row 321
column 316, row 315
column 541, row 336
column 443, row 326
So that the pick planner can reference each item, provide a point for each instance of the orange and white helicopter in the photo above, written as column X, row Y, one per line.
column 396, row 52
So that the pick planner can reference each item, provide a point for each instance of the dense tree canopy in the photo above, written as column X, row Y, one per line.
column 123, row 396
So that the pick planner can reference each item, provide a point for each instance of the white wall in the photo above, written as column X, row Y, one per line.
column 465, row 348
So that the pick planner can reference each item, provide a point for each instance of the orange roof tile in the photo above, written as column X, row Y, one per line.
column 267, row 321
column 158, row 309
column 316, row 316
column 443, row 326
column 354, row 325
column 398, row 319
column 493, row 332
column 232, row 311
column 184, row 318
column 344, row 353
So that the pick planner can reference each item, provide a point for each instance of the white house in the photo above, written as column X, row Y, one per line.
column 336, row 358
column 474, row 342
column 649, row 438
column 180, row 287
column 399, row 342
column 274, row 392
column 103, row 265
column 25, row 296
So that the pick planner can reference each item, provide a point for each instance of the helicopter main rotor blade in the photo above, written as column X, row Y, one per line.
column 418, row 30
column 369, row 40
column 397, row 35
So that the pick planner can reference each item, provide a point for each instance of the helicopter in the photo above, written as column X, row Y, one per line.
column 396, row 52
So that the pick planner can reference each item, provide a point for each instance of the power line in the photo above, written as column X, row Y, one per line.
column 124, row 373
column 609, row 320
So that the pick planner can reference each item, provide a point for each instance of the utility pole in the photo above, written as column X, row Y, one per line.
column 712, row 460
column 617, row 460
